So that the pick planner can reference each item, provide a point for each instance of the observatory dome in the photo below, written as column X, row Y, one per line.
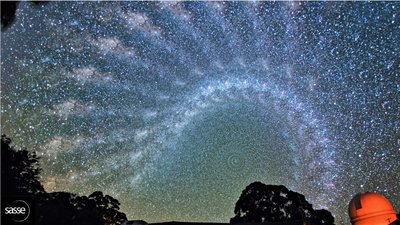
column 371, row 208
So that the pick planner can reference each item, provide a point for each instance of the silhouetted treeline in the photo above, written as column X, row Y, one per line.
column 20, row 172
column 64, row 208
column 260, row 203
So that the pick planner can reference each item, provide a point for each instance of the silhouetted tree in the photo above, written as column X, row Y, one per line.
column 8, row 11
column 261, row 203
column 322, row 216
column 57, row 209
column 66, row 208
column 108, row 207
column 20, row 176
column 19, row 171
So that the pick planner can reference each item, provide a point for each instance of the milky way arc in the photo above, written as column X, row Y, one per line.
column 165, row 105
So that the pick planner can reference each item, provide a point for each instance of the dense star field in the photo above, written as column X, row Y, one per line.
column 174, row 108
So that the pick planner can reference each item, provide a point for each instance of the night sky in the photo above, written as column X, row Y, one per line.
column 174, row 108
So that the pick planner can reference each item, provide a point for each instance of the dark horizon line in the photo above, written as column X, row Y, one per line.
column 292, row 222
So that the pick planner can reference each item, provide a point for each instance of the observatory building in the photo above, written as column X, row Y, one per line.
column 371, row 209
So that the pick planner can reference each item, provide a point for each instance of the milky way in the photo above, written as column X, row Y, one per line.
column 174, row 108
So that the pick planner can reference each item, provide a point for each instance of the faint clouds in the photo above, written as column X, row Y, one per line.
column 294, row 7
column 176, row 8
column 67, row 107
column 91, row 74
column 219, row 65
column 240, row 61
column 135, row 179
column 135, row 156
column 198, row 71
column 112, row 45
column 163, row 97
column 219, row 6
column 141, row 134
column 149, row 115
column 71, row 107
column 61, row 144
column 142, row 22
column 266, row 64
column 179, row 82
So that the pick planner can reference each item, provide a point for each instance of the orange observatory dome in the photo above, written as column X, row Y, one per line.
column 371, row 209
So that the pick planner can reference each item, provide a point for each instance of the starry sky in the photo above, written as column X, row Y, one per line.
column 173, row 108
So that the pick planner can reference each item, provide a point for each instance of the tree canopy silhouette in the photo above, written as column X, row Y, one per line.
column 8, row 11
column 20, row 172
column 66, row 208
column 260, row 203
